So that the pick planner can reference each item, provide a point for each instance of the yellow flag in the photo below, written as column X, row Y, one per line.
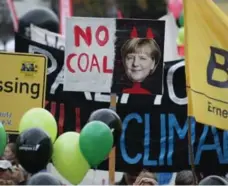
column 206, row 43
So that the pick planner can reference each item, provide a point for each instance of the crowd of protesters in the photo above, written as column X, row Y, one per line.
column 11, row 173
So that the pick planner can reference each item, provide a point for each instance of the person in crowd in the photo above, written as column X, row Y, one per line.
column 184, row 177
column 5, row 170
column 43, row 179
column 128, row 178
column 140, row 57
column 18, row 174
column 210, row 173
column 146, row 178
column 24, row 179
column 138, row 178
column 10, row 153
column 7, row 182
column 8, row 174
column 199, row 176
column 8, row 138
column 213, row 180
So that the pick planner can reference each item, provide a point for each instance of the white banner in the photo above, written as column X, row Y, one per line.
column 171, row 33
column 89, row 54
column 46, row 37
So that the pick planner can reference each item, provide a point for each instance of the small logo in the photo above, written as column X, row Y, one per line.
column 29, row 68
column 29, row 147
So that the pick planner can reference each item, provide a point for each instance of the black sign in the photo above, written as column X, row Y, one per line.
column 154, row 127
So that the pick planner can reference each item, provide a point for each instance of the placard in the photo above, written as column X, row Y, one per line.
column 46, row 37
column 154, row 127
column 139, row 51
column 97, row 51
column 22, row 86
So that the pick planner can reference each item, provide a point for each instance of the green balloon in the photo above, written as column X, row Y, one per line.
column 181, row 20
column 68, row 159
column 181, row 35
column 3, row 139
column 96, row 142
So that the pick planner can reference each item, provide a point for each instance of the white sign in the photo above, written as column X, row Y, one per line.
column 89, row 54
column 46, row 37
column 171, row 33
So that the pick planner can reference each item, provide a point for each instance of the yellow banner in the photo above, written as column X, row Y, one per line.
column 206, row 43
column 22, row 86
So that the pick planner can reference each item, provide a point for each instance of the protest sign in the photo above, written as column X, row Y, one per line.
column 171, row 33
column 46, row 37
column 97, row 46
column 139, row 50
column 154, row 127
column 89, row 54
column 22, row 86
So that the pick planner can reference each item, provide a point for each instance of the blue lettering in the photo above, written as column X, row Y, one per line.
column 175, row 131
column 162, row 140
column 123, row 150
column 193, row 135
column 147, row 139
column 225, row 145
column 206, row 147
column 181, row 132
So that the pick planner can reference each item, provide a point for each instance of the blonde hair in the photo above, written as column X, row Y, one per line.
column 146, row 178
column 132, row 45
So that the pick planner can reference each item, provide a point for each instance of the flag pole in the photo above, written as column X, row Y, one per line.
column 112, row 155
column 13, row 14
column 190, row 149
column 189, row 119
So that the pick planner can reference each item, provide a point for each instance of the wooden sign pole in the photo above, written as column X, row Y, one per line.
column 112, row 155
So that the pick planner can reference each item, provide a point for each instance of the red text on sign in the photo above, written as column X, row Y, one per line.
column 86, row 35
column 90, row 63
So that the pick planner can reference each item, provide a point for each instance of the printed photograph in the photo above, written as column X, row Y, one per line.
column 138, row 67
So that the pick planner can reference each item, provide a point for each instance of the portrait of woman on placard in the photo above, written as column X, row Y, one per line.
column 140, row 59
